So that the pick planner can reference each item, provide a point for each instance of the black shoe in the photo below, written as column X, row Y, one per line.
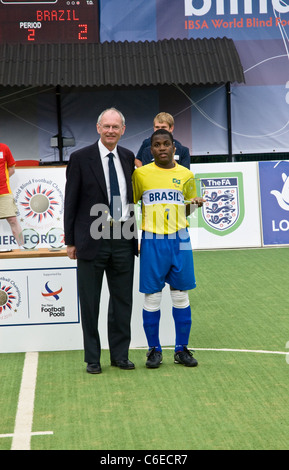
column 93, row 368
column 126, row 364
column 154, row 359
column 186, row 358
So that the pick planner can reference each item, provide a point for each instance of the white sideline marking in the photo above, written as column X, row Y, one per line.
column 256, row 351
column 25, row 410
column 40, row 433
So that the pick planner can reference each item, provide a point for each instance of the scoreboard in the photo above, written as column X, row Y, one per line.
column 49, row 21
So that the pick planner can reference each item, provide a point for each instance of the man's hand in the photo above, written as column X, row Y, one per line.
column 198, row 201
column 71, row 252
column 195, row 202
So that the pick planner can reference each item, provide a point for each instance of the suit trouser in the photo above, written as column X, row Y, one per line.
column 116, row 259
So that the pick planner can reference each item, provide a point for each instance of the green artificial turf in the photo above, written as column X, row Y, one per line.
column 241, row 299
column 232, row 400
column 11, row 366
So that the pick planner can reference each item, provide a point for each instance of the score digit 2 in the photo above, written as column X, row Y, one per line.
column 31, row 35
column 82, row 35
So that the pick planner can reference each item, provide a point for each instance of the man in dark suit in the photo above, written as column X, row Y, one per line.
column 100, row 239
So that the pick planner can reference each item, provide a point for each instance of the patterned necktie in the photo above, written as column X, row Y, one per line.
column 115, row 200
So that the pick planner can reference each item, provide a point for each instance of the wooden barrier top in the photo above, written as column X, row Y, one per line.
column 36, row 253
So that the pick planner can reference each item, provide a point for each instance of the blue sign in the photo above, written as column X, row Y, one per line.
column 274, row 193
column 259, row 29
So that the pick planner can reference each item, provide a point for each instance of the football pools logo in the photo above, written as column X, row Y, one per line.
column 223, row 211
column 51, row 294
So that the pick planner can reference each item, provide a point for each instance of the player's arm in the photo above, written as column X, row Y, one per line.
column 192, row 201
column 137, row 162
column 137, row 191
column 138, row 158
column 185, row 157
column 11, row 170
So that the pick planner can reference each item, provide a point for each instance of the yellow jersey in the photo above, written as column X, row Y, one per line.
column 163, row 193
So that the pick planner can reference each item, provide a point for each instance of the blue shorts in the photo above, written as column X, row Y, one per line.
column 166, row 259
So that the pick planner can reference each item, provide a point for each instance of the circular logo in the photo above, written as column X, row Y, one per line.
column 31, row 238
column 10, row 299
column 55, row 237
column 39, row 203
column 3, row 298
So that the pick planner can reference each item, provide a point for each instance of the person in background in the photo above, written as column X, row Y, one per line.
column 144, row 155
column 168, row 194
column 94, row 217
column 8, row 208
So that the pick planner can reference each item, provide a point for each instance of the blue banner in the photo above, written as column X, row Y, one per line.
column 274, row 193
column 260, row 106
column 260, row 30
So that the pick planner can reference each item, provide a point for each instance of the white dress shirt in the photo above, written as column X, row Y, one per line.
column 120, row 176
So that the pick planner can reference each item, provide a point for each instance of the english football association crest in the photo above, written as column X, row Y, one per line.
column 223, row 211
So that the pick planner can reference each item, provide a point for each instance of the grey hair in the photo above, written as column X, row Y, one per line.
column 111, row 109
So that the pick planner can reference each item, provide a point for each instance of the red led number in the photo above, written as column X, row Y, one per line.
column 31, row 34
column 82, row 35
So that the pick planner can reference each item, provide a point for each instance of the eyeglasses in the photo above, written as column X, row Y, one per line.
column 107, row 128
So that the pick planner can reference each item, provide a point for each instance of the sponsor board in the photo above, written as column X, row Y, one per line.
column 38, row 297
column 274, row 194
column 40, row 202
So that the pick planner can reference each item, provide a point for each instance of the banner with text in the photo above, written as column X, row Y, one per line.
column 260, row 30
column 38, row 297
column 274, row 192
column 39, row 196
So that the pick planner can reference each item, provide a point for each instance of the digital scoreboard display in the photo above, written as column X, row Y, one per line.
column 48, row 21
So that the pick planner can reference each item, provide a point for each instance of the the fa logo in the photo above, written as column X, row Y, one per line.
column 223, row 211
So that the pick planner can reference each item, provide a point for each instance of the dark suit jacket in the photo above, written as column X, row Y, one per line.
column 85, row 187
